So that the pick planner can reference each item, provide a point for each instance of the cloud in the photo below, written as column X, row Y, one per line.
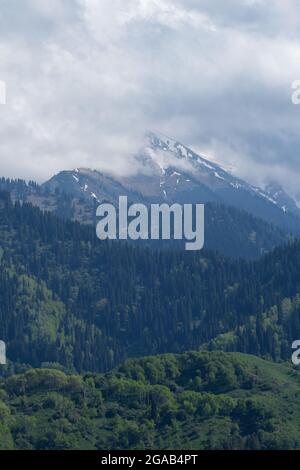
column 86, row 79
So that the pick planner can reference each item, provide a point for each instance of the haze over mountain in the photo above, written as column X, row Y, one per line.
column 241, row 220
column 85, row 79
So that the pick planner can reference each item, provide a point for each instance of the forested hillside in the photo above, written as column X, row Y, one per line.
column 229, row 230
column 188, row 401
column 67, row 298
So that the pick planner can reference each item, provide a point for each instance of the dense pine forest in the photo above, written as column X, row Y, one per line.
column 70, row 299
column 229, row 230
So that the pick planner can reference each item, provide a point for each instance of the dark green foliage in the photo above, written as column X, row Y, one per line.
column 229, row 230
column 67, row 298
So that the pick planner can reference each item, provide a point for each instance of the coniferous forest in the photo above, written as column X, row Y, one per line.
column 75, row 312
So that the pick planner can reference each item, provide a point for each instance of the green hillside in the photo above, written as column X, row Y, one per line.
column 189, row 401
column 68, row 298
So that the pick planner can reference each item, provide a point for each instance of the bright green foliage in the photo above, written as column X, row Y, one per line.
column 192, row 401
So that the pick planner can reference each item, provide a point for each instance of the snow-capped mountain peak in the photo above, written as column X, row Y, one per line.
column 169, row 171
column 165, row 152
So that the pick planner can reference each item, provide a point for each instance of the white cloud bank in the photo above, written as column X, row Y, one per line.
column 86, row 79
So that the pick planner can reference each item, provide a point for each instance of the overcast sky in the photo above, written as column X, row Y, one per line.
column 87, row 78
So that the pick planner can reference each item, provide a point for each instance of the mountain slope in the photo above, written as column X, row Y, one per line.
column 168, row 170
column 276, row 192
column 75, row 194
column 188, row 401
column 66, row 297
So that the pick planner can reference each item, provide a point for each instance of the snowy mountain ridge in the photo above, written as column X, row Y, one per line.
column 168, row 171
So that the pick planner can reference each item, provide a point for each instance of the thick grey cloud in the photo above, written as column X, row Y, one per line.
column 87, row 78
